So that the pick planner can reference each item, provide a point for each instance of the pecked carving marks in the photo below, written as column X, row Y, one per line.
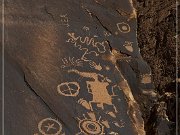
column 87, row 44
column 89, row 41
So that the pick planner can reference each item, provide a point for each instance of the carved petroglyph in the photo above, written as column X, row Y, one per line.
column 106, row 124
column 92, row 116
column 119, row 125
column 128, row 46
column 123, row 27
column 84, row 103
column 90, row 127
column 95, row 66
column 107, row 34
column 98, row 88
column 68, row 89
column 71, row 62
column 83, row 44
column 49, row 126
column 107, row 68
column 114, row 133
column 64, row 20
column 85, row 28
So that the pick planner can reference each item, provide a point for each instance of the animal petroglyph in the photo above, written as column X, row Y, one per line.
column 85, row 43
column 123, row 27
column 71, row 62
column 49, row 126
column 68, row 89
column 64, row 20
column 128, row 46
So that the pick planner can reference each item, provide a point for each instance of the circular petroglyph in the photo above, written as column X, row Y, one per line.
column 123, row 27
column 49, row 126
column 68, row 89
column 91, row 127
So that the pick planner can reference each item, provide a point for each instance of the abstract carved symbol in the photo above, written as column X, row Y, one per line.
column 85, row 28
column 113, row 133
column 90, row 127
column 64, row 20
column 107, row 34
column 70, row 62
column 95, row 66
column 123, row 27
column 128, row 46
column 70, row 89
column 50, row 126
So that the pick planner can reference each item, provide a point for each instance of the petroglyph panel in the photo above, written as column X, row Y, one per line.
column 81, row 61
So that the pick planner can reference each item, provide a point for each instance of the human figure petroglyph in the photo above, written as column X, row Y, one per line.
column 98, row 88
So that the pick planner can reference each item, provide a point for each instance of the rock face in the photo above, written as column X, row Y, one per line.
column 157, row 41
column 73, row 67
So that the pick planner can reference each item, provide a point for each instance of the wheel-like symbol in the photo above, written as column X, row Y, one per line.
column 50, row 126
column 123, row 27
column 68, row 89
column 91, row 127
